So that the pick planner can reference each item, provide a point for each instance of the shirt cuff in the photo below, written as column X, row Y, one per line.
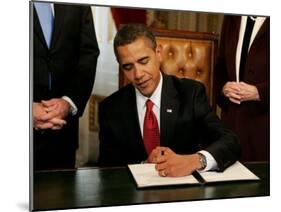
column 73, row 108
column 211, row 162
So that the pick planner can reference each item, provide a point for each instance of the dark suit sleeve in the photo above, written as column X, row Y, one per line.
column 219, row 141
column 84, row 76
column 263, row 89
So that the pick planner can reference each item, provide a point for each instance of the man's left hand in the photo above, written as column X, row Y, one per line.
column 248, row 92
column 56, row 108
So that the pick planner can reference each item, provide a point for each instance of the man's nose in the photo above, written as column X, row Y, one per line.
column 138, row 73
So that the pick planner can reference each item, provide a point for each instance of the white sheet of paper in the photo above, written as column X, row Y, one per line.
column 145, row 175
column 235, row 172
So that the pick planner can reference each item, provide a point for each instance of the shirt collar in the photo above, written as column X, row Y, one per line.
column 155, row 97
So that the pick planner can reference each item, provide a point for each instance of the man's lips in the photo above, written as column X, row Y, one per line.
column 143, row 84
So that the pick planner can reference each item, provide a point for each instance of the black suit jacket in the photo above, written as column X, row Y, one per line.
column 192, row 125
column 71, row 60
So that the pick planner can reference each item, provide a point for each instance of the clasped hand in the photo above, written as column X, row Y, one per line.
column 238, row 92
column 50, row 114
column 170, row 164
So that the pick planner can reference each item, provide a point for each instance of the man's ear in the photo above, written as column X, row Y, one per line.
column 159, row 52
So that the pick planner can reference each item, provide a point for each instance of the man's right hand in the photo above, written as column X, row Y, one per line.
column 170, row 164
column 231, row 91
column 40, row 111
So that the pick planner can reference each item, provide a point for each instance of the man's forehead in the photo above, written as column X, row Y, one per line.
column 134, row 51
column 141, row 42
column 132, row 58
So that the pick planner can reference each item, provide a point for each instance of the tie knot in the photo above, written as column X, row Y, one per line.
column 149, row 104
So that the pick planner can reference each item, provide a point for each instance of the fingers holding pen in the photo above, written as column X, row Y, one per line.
column 155, row 154
column 170, row 164
column 162, row 166
column 163, row 161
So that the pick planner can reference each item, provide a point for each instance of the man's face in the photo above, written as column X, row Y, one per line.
column 141, row 65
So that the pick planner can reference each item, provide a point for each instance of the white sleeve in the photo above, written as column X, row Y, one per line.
column 211, row 162
column 73, row 108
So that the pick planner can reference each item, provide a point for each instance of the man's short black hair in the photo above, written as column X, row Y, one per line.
column 130, row 33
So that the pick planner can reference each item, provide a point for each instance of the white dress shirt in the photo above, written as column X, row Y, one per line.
column 258, row 23
column 156, row 99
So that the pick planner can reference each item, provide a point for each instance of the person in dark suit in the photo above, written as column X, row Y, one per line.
column 64, row 66
column 242, row 81
column 191, row 136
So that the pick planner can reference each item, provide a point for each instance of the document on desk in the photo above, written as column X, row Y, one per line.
column 145, row 175
column 236, row 172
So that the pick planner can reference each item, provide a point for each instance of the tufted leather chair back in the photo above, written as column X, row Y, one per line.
column 187, row 55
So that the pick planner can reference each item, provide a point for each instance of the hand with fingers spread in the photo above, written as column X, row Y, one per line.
column 170, row 164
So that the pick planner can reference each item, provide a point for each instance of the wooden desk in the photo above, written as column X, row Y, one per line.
column 115, row 186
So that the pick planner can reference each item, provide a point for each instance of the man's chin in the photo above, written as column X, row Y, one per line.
column 145, row 91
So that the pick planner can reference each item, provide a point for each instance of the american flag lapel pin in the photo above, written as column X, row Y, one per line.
column 169, row 110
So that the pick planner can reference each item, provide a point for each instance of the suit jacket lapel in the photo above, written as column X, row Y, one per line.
column 132, row 120
column 59, row 19
column 169, row 111
column 261, row 32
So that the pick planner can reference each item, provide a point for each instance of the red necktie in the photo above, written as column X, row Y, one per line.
column 151, row 137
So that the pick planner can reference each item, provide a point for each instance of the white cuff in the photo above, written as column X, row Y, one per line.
column 73, row 108
column 211, row 162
